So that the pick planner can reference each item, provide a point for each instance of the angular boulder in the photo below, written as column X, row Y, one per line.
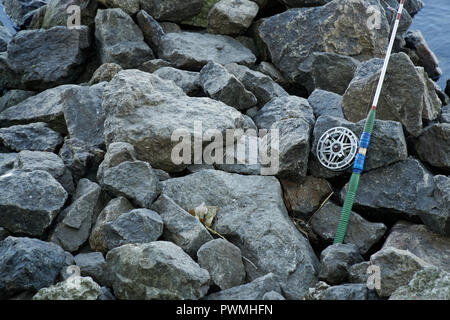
column 45, row 161
column 46, row 66
column 156, row 270
column 433, row 145
column 427, row 245
column 119, row 39
column 76, row 220
column 74, row 288
column 188, row 81
column 223, row 260
column 180, row 227
column 220, row 85
column 111, row 212
column 326, row 103
column 261, row 85
column 408, row 94
column 430, row 283
column 161, row 108
column 335, row 261
column 30, row 201
column 135, row 226
column 362, row 233
column 256, row 223
column 327, row 71
column 28, row 265
column 397, row 268
column 292, row 36
column 191, row 51
column 231, row 17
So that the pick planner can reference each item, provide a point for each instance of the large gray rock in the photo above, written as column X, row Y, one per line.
column 122, row 175
column 434, row 204
column 111, row 212
column 326, row 103
column 93, row 265
column 171, row 10
column 303, row 197
column 52, row 105
column 180, row 227
column 433, row 145
column 231, row 16
column 397, row 268
column 76, row 220
column 30, row 201
column 421, row 54
column 417, row 239
column 292, row 36
column 135, row 226
column 46, row 65
column 220, row 85
column 387, row 145
column 119, row 39
column 261, row 85
column 362, row 233
column 156, row 270
column 7, row 162
column 35, row 137
column 46, row 161
column 5, row 38
column 359, row 273
column 399, row 187
column 413, row 6
column 28, row 265
column 128, row 6
column 151, row 30
column 254, row 290
column 430, row 283
column 13, row 97
column 294, row 146
column 327, row 71
column 161, row 108
column 191, row 51
column 284, row 108
column 56, row 13
column 84, row 114
column 223, row 260
column 252, row 215
column 416, row 102
column 335, row 261
column 20, row 11
column 81, row 158
column 188, row 81
column 74, row 288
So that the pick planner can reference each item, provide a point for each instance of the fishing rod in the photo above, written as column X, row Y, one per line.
column 364, row 141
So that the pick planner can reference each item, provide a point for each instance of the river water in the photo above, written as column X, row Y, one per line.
column 433, row 21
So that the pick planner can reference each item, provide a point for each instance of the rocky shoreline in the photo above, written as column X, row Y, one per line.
column 93, row 205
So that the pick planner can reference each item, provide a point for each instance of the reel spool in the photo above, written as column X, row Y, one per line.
column 337, row 148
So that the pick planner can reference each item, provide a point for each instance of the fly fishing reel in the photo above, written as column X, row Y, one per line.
column 337, row 148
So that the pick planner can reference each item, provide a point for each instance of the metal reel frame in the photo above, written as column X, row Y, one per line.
column 337, row 148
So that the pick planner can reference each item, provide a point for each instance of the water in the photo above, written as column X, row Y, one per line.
column 434, row 23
